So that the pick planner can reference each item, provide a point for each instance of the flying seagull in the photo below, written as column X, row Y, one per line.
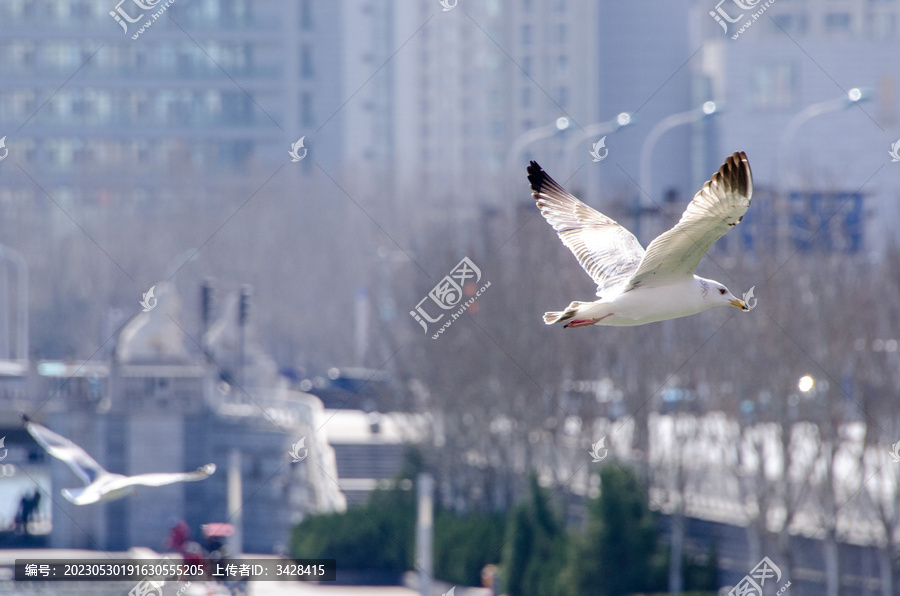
column 100, row 485
column 637, row 287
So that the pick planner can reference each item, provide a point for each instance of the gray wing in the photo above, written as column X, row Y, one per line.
column 65, row 450
column 608, row 252
column 717, row 208
column 202, row 473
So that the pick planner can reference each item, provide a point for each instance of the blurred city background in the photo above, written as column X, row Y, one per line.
column 293, row 177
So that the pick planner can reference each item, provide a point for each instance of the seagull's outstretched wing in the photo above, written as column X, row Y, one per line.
column 608, row 252
column 201, row 473
column 62, row 448
column 718, row 207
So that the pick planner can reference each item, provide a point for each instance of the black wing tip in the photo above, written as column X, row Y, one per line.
column 735, row 172
column 739, row 160
column 541, row 182
column 536, row 176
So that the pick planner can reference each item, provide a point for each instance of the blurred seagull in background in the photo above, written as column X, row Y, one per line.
column 100, row 485
column 637, row 287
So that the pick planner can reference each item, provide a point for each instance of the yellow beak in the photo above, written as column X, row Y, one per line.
column 740, row 304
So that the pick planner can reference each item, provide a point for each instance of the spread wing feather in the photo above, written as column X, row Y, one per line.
column 715, row 209
column 84, row 466
column 200, row 473
column 609, row 253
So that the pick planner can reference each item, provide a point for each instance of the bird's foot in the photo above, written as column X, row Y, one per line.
column 585, row 322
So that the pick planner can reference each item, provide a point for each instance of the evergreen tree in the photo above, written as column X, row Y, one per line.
column 619, row 554
column 535, row 547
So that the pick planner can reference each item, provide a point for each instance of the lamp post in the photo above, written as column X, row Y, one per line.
column 663, row 126
column 853, row 97
column 594, row 130
column 531, row 136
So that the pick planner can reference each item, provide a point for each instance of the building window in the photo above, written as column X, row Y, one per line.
column 526, row 65
column 306, row 109
column 827, row 222
column 837, row 22
column 883, row 25
column 306, row 62
column 792, row 24
column 772, row 87
column 526, row 35
column 306, row 20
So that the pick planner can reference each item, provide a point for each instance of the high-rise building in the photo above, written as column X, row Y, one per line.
column 786, row 73
column 104, row 102
column 474, row 80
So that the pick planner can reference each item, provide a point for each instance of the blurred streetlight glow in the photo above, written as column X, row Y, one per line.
column 666, row 124
column 806, row 383
column 531, row 136
column 597, row 129
column 853, row 97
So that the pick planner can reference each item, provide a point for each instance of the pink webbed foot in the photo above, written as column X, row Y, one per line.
column 585, row 322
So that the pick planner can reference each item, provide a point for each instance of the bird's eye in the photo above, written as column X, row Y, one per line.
column 722, row 291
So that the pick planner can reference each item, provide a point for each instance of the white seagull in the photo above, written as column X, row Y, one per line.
column 100, row 485
column 637, row 287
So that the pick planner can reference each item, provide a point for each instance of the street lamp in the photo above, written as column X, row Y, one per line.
column 663, row 126
column 706, row 110
column 530, row 136
column 811, row 388
column 851, row 98
column 594, row 130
